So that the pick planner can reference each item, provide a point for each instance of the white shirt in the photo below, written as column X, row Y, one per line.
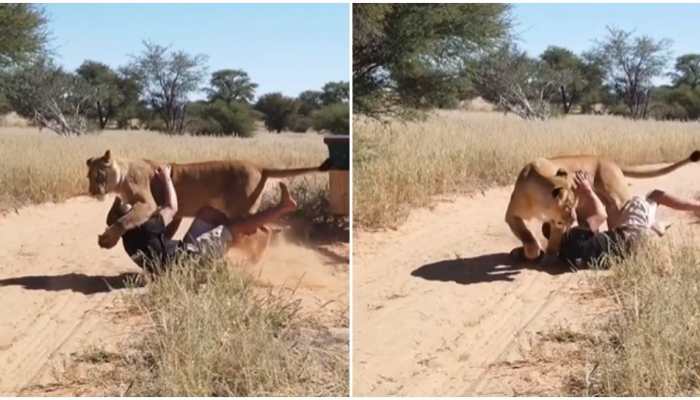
column 638, row 213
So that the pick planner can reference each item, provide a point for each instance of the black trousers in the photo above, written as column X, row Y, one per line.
column 581, row 246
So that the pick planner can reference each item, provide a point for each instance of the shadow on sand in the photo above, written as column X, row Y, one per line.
column 485, row 268
column 79, row 283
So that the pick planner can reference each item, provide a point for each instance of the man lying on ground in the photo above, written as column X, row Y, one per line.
column 581, row 246
column 211, row 233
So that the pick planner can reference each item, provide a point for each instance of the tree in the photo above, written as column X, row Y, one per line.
column 104, row 81
column 130, row 105
column 23, row 32
column 277, row 110
column 595, row 91
column 116, row 93
column 51, row 97
column 416, row 55
column 580, row 79
column 231, row 85
column 516, row 82
column 687, row 71
column 309, row 101
column 566, row 69
column 630, row 65
column 335, row 92
column 168, row 78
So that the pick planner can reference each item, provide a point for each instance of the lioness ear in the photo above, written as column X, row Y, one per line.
column 562, row 172
column 108, row 156
column 89, row 161
column 557, row 192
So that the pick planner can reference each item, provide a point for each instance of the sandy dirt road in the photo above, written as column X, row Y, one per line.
column 62, row 293
column 438, row 303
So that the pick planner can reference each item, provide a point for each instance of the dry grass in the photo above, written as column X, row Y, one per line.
column 40, row 167
column 651, row 344
column 398, row 166
column 209, row 331
column 213, row 333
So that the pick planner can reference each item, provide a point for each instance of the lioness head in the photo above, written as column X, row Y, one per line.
column 102, row 175
column 566, row 203
column 565, row 200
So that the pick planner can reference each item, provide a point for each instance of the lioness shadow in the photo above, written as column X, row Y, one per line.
column 484, row 268
column 79, row 283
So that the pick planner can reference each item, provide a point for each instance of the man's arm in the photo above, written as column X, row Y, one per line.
column 169, row 209
column 674, row 202
column 591, row 204
column 115, row 211
column 139, row 213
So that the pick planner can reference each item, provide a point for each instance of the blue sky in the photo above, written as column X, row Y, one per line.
column 283, row 47
column 576, row 26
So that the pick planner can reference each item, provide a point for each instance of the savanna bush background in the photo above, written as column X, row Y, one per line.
column 39, row 167
column 399, row 165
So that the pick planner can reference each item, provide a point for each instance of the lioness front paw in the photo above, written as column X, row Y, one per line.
column 532, row 252
column 108, row 239
column 520, row 254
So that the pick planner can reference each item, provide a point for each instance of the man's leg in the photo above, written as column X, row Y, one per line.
column 674, row 202
column 207, row 218
column 252, row 223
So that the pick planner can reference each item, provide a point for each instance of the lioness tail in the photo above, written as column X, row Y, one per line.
column 652, row 173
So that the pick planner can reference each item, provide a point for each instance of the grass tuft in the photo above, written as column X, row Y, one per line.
column 213, row 333
column 651, row 344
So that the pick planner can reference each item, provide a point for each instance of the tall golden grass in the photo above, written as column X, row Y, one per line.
column 397, row 166
column 650, row 346
column 212, row 333
column 209, row 330
column 39, row 167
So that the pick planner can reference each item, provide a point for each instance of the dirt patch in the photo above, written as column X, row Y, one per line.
column 64, row 294
column 438, row 303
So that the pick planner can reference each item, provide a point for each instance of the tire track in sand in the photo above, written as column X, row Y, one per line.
column 55, row 287
column 437, row 301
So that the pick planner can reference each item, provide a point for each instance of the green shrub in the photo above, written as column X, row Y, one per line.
column 4, row 104
column 663, row 111
column 333, row 118
column 300, row 123
column 221, row 118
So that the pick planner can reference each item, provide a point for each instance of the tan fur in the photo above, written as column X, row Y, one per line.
column 533, row 196
column 233, row 187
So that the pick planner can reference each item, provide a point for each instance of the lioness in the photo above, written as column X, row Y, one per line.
column 233, row 187
column 543, row 191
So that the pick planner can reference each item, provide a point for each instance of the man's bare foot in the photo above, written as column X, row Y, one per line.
column 287, row 203
column 661, row 227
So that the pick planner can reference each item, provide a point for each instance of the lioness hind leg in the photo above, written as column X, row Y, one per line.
column 554, row 240
column 531, row 247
